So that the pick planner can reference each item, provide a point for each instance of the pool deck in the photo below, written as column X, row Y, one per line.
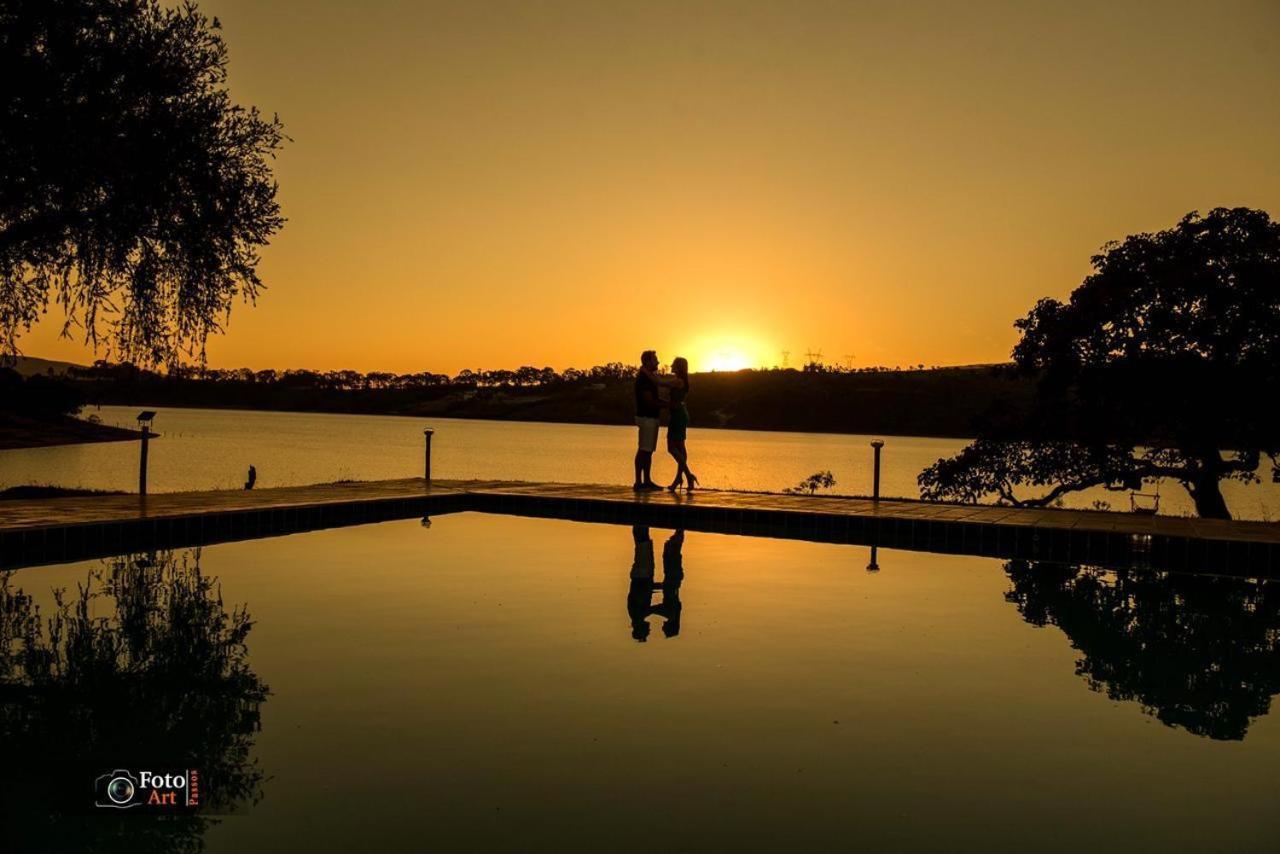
column 56, row 530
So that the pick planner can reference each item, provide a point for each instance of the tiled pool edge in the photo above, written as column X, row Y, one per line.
column 985, row 539
column 63, row 544
column 1013, row 537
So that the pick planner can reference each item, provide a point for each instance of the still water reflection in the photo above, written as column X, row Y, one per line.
column 141, row 664
column 476, row 685
column 1199, row 652
column 640, row 604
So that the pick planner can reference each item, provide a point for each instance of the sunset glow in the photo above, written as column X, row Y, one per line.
column 569, row 183
column 724, row 360
column 639, row 425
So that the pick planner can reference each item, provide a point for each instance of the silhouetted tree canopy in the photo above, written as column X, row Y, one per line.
column 1168, row 353
column 1200, row 652
column 133, row 191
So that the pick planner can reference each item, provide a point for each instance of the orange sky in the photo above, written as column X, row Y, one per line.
column 566, row 183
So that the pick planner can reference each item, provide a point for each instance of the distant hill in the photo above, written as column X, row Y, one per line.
column 29, row 366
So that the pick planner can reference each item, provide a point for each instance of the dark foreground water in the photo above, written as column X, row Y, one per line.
column 493, row 683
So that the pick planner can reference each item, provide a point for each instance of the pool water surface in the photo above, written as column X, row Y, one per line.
column 476, row 682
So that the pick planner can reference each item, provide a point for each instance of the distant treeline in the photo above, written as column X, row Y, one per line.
column 952, row 402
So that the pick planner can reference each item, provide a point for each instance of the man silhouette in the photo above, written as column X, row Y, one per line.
column 648, row 406
column 640, row 594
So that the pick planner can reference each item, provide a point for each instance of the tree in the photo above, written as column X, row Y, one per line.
column 1166, row 355
column 133, row 191
column 811, row 484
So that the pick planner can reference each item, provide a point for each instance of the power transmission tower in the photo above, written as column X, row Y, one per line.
column 848, row 361
column 814, row 358
column 786, row 354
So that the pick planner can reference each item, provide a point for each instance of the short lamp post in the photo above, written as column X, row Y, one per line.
column 144, row 424
column 426, row 473
column 875, row 475
column 874, row 565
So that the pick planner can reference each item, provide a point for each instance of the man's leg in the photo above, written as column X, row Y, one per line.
column 648, row 441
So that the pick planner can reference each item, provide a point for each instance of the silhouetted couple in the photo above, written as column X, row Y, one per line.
column 649, row 406
column 640, row 595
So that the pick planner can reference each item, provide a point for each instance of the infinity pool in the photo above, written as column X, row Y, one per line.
column 496, row 683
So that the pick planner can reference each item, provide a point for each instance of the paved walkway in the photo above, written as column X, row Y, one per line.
column 53, row 530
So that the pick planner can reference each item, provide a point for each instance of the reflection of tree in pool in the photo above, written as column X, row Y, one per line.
column 1198, row 652
column 144, row 664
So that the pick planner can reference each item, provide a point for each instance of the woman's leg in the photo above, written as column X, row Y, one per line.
column 690, row 478
column 673, row 448
column 682, row 459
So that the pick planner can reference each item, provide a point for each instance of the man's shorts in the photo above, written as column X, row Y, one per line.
column 648, row 433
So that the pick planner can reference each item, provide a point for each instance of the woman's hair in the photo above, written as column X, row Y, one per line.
column 680, row 367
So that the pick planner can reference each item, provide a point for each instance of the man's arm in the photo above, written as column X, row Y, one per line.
column 650, row 397
column 665, row 380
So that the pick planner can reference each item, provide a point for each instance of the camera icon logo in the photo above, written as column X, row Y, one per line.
column 116, row 790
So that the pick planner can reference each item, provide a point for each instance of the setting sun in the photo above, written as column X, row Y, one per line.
column 726, row 360
column 720, row 356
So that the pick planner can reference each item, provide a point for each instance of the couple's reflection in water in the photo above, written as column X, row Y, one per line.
column 640, row 596
column 141, row 665
column 1199, row 652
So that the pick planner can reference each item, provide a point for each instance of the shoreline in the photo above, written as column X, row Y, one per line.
column 19, row 432
column 506, row 418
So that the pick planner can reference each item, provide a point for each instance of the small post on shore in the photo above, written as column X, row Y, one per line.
column 426, row 434
column 144, row 423
column 875, row 477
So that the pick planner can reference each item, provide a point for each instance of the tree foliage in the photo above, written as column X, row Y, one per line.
column 998, row 467
column 133, row 191
column 811, row 484
column 1168, row 353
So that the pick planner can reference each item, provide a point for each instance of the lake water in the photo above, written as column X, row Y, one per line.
column 491, row 683
column 213, row 449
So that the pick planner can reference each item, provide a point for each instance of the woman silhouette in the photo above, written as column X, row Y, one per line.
column 678, row 426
